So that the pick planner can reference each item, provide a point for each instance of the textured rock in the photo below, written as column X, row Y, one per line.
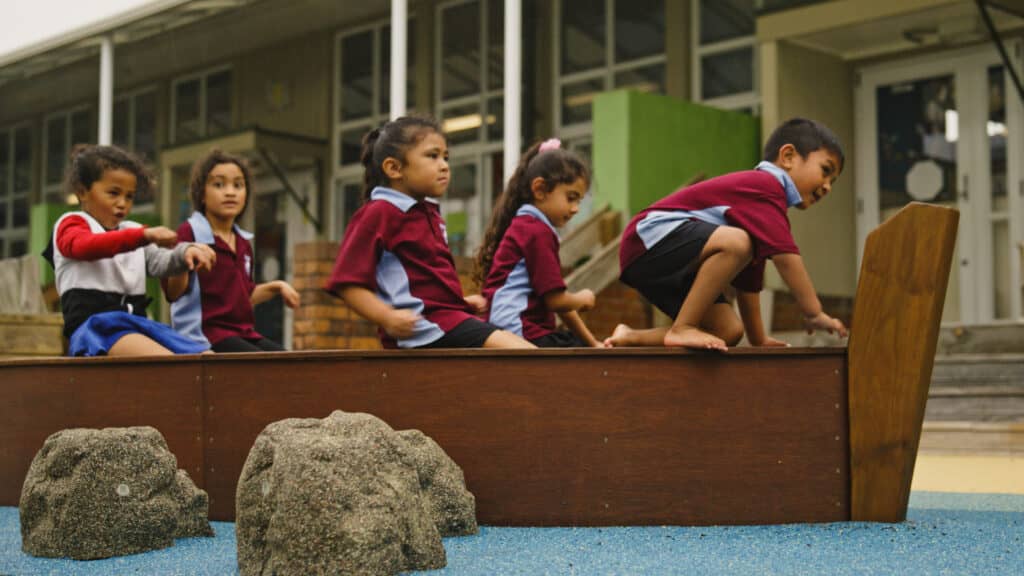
column 100, row 493
column 345, row 495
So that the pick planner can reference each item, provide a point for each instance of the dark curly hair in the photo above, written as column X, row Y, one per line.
column 555, row 167
column 201, row 171
column 393, row 139
column 88, row 162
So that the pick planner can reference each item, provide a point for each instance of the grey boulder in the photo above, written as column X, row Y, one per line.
column 100, row 493
column 347, row 495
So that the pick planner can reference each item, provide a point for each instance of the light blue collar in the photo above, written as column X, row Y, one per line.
column 203, row 232
column 531, row 210
column 792, row 194
column 401, row 201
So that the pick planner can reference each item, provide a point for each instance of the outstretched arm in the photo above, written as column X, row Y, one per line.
column 263, row 292
column 794, row 274
column 750, row 311
column 560, row 301
column 396, row 323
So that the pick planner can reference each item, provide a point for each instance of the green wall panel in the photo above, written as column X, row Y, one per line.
column 646, row 146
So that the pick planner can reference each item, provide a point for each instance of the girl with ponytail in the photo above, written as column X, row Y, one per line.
column 394, row 267
column 518, row 264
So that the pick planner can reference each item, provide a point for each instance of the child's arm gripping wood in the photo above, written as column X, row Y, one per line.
column 575, row 323
column 794, row 274
column 750, row 311
column 396, row 323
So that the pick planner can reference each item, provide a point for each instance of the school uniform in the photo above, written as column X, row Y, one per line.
column 397, row 247
column 661, row 246
column 525, row 268
column 216, row 307
column 101, row 280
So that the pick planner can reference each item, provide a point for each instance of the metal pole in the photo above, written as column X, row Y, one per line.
column 513, row 79
column 106, row 90
column 399, row 36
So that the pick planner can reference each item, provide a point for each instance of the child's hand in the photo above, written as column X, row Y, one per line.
column 289, row 295
column 478, row 302
column 587, row 299
column 822, row 321
column 400, row 323
column 161, row 236
column 200, row 257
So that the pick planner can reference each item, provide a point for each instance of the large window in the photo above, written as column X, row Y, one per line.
column 15, row 189
column 364, row 84
column 134, row 128
column 202, row 105
column 470, row 70
column 604, row 45
column 61, row 132
column 724, row 55
column 363, row 87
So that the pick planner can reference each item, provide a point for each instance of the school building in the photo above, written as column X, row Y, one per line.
column 925, row 95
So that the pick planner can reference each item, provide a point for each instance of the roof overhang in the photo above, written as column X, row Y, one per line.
column 149, row 19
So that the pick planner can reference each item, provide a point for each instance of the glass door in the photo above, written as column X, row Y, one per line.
column 946, row 130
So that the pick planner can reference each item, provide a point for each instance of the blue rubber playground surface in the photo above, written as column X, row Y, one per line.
column 945, row 533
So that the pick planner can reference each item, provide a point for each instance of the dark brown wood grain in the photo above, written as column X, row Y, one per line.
column 39, row 399
column 894, row 333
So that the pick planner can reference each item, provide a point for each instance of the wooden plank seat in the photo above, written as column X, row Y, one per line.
column 564, row 437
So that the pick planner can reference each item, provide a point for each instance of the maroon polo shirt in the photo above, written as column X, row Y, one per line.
column 753, row 200
column 226, row 289
column 524, row 269
column 397, row 247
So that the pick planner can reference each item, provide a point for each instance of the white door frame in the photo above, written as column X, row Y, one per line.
column 969, row 68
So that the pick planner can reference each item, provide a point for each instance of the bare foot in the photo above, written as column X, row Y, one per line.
column 619, row 337
column 693, row 337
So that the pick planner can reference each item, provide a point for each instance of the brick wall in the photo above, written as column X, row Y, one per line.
column 324, row 322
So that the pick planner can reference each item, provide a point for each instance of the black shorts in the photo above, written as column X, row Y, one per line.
column 560, row 339
column 664, row 274
column 471, row 333
column 239, row 344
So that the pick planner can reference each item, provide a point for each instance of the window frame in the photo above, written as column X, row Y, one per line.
column 11, row 233
column 698, row 51
column 203, row 76
column 46, row 188
column 132, row 97
column 605, row 72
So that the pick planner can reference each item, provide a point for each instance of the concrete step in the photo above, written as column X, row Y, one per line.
column 975, row 403
column 1004, row 338
column 979, row 370
column 973, row 437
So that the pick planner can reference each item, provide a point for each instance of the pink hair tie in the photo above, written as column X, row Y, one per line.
column 549, row 144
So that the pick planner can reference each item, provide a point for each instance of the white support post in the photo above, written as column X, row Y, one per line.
column 399, row 38
column 513, row 80
column 106, row 91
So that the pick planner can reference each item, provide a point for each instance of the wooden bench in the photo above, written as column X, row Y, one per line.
column 571, row 437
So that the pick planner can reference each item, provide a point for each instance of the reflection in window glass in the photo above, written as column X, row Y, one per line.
column 495, row 44
column 583, row 35
column 5, row 164
column 20, row 216
column 1001, row 285
column 4, row 224
column 725, row 19
column 577, row 99
column 56, row 152
column 727, row 73
column 462, row 124
column 121, row 130
column 349, row 197
column 22, row 160
column 352, row 145
column 917, row 128
column 218, row 103
column 186, row 111
column 357, row 75
column 82, row 128
column 639, row 29
column 2, row 244
column 461, row 207
column 18, row 248
column 647, row 79
column 145, row 126
column 495, row 119
column 997, row 133
column 460, row 50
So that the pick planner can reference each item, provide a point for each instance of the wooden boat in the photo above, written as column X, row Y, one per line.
column 573, row 437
